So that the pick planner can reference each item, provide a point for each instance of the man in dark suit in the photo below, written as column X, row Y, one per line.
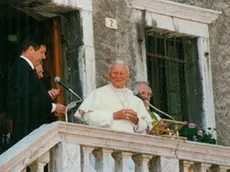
column 29, row 104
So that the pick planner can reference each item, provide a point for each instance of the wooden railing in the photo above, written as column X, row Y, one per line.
column 67, row 147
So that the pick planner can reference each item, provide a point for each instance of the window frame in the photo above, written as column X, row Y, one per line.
column 182, row 19
column 86, row 63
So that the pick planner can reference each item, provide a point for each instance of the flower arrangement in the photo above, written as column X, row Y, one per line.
column 192, row 133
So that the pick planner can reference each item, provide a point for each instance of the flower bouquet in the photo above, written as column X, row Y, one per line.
column 192, row 133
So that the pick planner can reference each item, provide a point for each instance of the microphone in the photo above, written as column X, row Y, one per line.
column 59, row 81
column 139, row 95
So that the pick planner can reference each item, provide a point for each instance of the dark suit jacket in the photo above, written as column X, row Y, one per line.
column 29, row 104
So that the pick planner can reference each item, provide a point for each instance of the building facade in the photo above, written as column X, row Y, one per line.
column 186, row 38
column 180, row 48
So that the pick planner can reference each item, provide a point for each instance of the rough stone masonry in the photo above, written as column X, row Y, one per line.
column 111, row 44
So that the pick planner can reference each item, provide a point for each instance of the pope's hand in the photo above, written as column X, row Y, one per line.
column 127, row 114
column 132, row 116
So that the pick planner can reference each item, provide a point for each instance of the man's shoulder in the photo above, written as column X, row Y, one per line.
column 98, row 90
column 130, row 92
column 137, row 99
column 19, row 68
column 107, row 87
column 102, row 88
column 20, row 63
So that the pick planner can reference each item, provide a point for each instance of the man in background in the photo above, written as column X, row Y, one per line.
column 142, row 89
column 53, row 93
column 29, row 104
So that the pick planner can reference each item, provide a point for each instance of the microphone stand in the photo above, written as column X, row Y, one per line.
column 80, row 99
column 159, row 110
column 162, row 113
column 73, row 104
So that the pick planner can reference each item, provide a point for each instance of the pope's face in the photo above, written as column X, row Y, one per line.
column 118, row 75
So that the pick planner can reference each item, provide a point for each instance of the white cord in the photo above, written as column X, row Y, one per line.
column 160, row 110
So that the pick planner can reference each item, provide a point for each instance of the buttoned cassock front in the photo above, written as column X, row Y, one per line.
column 100, row 105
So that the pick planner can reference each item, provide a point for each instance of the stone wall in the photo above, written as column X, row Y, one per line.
column 220, row 53
column 110, row 43
column 120, row 43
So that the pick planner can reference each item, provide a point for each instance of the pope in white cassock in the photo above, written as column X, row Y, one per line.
column 114, row 106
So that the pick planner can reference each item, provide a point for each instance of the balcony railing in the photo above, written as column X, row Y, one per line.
column 67, row 147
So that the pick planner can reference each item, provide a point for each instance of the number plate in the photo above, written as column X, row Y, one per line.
column 111, row 23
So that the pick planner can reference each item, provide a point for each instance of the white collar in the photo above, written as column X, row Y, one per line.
column 117, row 89
column 28, row 61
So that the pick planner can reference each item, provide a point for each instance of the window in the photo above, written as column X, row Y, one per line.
column 161, row 17
column 173, row 74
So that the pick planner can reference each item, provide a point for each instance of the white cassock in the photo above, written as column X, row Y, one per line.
column 100, row 105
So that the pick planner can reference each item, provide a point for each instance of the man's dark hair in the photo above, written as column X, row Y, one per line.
column 33, row 41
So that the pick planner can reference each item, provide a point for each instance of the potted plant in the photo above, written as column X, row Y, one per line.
column 192, row 133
